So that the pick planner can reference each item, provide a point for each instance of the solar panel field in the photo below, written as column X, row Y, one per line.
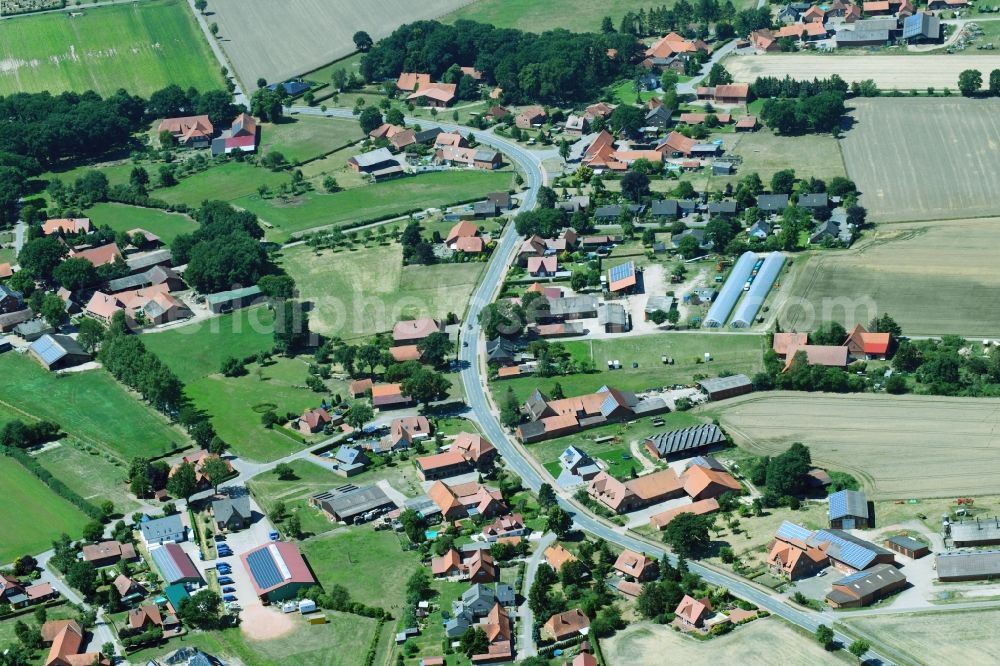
column 925, row 159
column 896, row 446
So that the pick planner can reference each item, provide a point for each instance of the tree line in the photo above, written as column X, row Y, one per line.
column 552, row 67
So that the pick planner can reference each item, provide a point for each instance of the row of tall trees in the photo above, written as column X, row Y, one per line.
column 555, row 66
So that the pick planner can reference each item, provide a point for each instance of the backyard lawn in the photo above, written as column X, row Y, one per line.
column 372, row 202
column 32, row 514
column 300, row 138
column 730, row 354
column 371, row 565
column 306, row 645
column 356, row 293
column 90, row 406
column 121, row 217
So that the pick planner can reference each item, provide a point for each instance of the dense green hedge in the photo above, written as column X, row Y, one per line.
column 57, row 486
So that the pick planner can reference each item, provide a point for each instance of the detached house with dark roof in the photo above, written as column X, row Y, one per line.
column 232, row 513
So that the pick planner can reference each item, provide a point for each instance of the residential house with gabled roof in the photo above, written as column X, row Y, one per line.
column 704, row 483
column 733, row 93
column 543, row 266
column 198, row 460
column 466, row 499
column 862, row 344
column 350, row 460
column 832, row 356
column 637, row 566
column 101, row 255
column 404, row 431
column 437, row 95
column 66, row 640
column 313, row 421
column 241, row 137
column 783, row 342
column 107, row 553
column 189, row 131
column 462, row 229
column 552, row 418
column 126, row 587
column 232, row 513
column 556, row 556
column 563, row 626
column 798, row 552
column 693, row 612
column 410, row 81
column 168, row 529
column 506, row 527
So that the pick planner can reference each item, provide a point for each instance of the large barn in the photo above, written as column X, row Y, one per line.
column 277, row 571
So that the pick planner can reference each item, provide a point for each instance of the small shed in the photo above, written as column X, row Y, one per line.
column 726, row 387
column 907, row 546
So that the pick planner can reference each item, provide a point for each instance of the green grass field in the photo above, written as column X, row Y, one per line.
column 226, row 182
column 196, row 353
column 300, row 138
column 34, row 514
column 394, row 197
column 371, row 565
column 234, row 403
column 141, row 47
column 122, row 218
column 198, row 350
column 351, row 63
column 91, row 406
column 534, row 16
column 351, row 300
column 730, row 353
column 90, row 474
column 611, row 451
column 309, row 645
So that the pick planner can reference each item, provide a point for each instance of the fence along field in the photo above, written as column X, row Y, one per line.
column 925, row 159
column 278, row 40
column 898, row 447
column 934, row 278
column 141, row 47
column 904, row 72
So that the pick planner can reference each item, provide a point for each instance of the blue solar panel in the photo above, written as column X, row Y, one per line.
column 851, row 554
column 47, row 349
column 622, row 271
column 838, row 504
column 790, row 530
column 264, row 569
column 911, row 26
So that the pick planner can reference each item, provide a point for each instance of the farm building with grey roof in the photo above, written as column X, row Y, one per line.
column 685, row 441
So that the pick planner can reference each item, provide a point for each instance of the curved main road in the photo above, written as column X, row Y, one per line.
column 475, row 389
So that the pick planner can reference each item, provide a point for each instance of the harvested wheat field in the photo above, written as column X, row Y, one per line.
column 896, row 446
column 934, row 278
column 928, row 158
column 937, row 638
column 278, row 40
column 888, row 71
column 767, row 641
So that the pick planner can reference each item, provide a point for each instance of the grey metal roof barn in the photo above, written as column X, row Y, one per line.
column 715, row 385
column 373, row 158
column 848, row 503
column 349, row 501
column 686, row 439
column 731, row 291
column 50, row 349
column 772, row 203
column 573, row 306
column 766, row 277
column 976, row 532
column 968, row 566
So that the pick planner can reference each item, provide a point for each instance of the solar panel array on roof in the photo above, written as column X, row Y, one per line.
column 731, row 291
column 789, row 530
column 47, row 349
column 848, row 503
column 264, row 569
column 622, row 271
column 684, row 439
column 853, row 552
column 762, row 284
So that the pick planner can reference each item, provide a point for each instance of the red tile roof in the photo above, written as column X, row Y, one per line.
column 410, row 81
column 414, row 330
column 405, row 353
column 661, row 520
column 66, row 225
column 99, row 256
